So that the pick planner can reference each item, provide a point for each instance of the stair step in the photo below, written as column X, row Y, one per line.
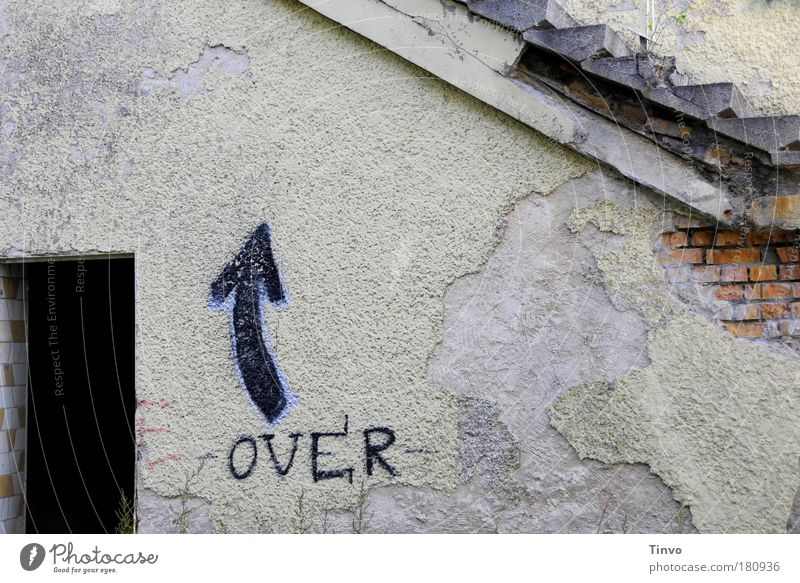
column 701, row 101
column 786, row 158
column 770, row 133
column 720, row 99
column 623, row 70
column 521, row 15
column 579, row 43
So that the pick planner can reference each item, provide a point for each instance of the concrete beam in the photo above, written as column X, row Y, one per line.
column 580, row 42
column 477, row 61
column 521, row 15
column 781, row 212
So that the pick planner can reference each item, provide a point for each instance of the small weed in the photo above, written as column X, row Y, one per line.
column 361, row 514
column 182, row 521
column 300, row 520
column 324, row 523
column 125, row 515
column 682, row 16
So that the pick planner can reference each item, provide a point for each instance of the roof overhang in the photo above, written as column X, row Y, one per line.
column 481, row 58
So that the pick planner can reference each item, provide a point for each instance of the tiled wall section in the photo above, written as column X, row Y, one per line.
column 13, row 395
column 753, row 279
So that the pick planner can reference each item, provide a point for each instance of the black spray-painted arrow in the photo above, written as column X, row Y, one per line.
column 241, row 289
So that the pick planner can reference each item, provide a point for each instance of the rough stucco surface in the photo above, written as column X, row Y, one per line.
column 382, row 186
column 537, row 319
column 728, row 444
column 753, row 43
column 710, row 415
column 571, row 326
column 452, row 275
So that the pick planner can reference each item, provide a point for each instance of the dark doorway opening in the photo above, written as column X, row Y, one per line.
column 81, row 439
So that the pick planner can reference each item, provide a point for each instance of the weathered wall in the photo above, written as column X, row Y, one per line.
column 126, row 133
column 753, row 43
column 574, row 292
column 452, row 277
column 537, row 319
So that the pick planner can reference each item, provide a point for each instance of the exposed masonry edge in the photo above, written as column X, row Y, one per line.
column 413, row 34
column 720, row 106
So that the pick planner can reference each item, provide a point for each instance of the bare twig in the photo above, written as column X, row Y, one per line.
column 300, row 522
column 182, row 520
column 361, row 515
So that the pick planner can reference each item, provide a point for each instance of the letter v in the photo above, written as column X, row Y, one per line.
column 285, row 470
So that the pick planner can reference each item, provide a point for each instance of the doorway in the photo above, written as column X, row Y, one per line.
column 81, row 445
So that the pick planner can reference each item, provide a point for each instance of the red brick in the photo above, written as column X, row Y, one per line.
column 772, row 291
column 788, row 254
column 727, row 238
column 789, row 328
column 730, row 273
column 745, row 329
column 706, row 274
column 772, row 236
column 702, row 238
column 774, row 310
column 764, row 273
column 729, row 293
column 779, row 236
column 790, row 272
column 738, row 255
column 679, row 239
column 684, row 256
column 746, row 312
column 760, row 238
column 724, row 311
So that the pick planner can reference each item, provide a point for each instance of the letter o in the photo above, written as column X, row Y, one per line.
column 249, row 470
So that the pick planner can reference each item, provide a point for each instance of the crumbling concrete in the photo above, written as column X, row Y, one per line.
column 407, row 310
column 717, row 424
column 538, row 316
column 173, row 515
column 580, row 42
column 520, row 15
column 717, row 41
column 200, row 77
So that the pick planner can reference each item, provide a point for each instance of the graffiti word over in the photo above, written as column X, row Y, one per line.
column 243, row 456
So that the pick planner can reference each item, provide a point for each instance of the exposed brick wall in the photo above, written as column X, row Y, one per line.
column 752, row 278
column 13, row 396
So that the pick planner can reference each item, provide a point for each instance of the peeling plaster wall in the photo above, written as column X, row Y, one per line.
column 717, row 424
column 452, row 275
column 538, row 318
column 753, row 43
column 172, row 133
column 713, row 416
